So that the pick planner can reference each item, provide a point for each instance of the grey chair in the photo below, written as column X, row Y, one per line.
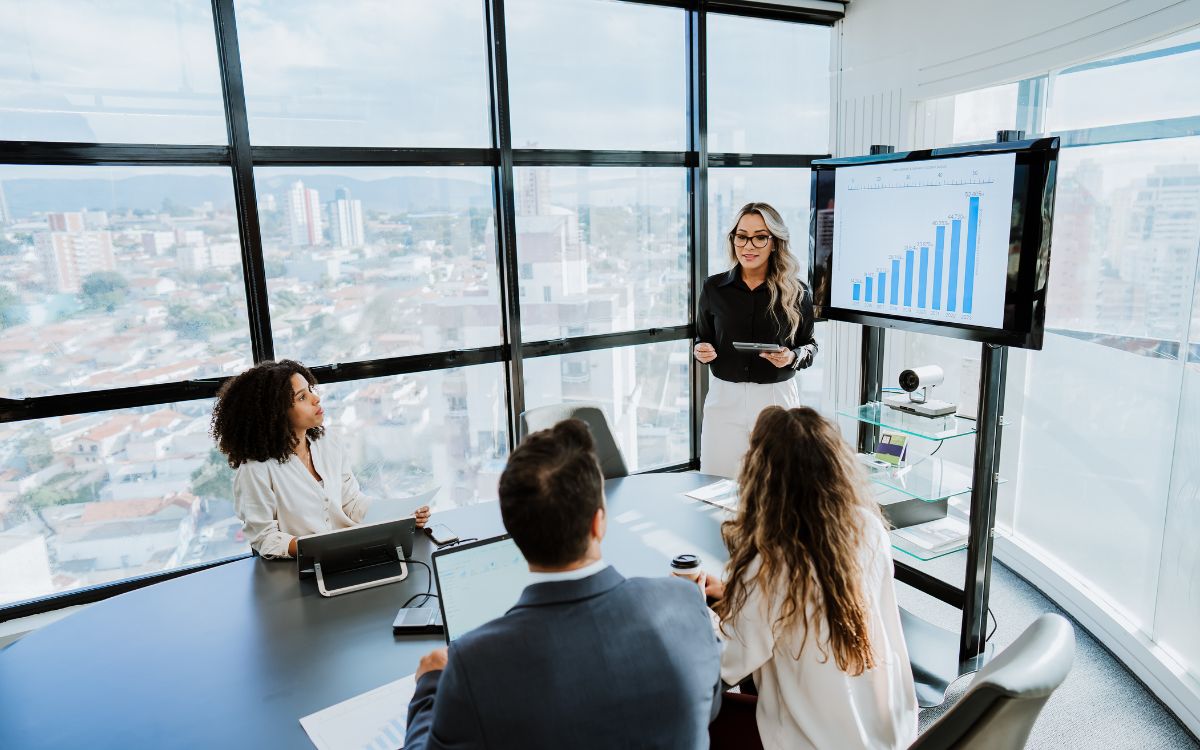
column 1004, row 700
column 612, row 464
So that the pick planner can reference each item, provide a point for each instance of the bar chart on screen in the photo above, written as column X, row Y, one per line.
column 926, row 240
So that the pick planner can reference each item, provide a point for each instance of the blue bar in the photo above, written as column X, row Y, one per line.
column 923, row 272
column 952, row 285
column 895, row 281
column 879, row 290
column 857, row 291
column 869, row 295
column 908, row 272
column 969, row 273
column 937, row 266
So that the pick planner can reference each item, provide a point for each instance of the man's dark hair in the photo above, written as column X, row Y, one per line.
column 250, row 421
column 549, row 493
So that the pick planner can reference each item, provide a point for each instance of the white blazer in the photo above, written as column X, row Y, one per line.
column 809, row 702
column 279, row 501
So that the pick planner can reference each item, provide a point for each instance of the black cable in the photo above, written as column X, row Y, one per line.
column 428, row 583
column 457, row 542
column 995, row 624
column 414, row 596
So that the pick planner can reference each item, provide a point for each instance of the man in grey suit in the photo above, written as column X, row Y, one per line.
column 586, row 658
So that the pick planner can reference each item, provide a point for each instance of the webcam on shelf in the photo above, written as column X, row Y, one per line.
column 919, row 382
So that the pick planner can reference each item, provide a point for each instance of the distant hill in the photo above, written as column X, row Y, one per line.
column 146, row 192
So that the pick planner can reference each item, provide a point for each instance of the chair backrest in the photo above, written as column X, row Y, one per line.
column 612, row 464
column 1006, row 696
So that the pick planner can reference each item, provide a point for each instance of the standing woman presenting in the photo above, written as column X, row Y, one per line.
column 759, row 300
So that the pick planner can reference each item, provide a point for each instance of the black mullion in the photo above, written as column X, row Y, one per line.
column 503, row 188
column 697, row 186
column 233, row 94
column 293, row 156
column 87, row 402
column 681, row 4
column 415, row 363
column 773, row 12
column 530, row 157
column 575, row 344
column 111, row 154
column 767, row 161
column 42, row 407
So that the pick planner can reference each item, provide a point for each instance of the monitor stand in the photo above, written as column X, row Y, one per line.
column 337, row 582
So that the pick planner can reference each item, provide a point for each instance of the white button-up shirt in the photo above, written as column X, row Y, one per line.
column 807, row 702
column 277, row 502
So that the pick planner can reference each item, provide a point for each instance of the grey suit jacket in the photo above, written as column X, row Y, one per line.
column 603, row 662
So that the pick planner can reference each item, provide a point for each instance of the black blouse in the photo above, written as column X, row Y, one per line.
column 730, row 311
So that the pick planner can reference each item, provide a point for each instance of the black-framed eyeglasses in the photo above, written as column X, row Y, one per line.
column 758, row 240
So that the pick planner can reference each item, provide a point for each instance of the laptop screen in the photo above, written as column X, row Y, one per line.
column 478, row 582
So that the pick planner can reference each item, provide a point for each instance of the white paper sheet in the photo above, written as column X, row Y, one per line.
column 374, row 720
column 722, row 493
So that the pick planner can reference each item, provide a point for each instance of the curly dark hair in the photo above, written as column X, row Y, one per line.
column 250, row 421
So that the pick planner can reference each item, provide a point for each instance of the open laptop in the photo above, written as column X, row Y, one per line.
column 478, row 582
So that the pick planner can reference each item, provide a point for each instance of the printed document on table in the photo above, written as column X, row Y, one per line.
column 722, row 493
column 375, row 719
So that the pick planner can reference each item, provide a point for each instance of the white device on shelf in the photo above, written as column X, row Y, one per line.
column 923, row 378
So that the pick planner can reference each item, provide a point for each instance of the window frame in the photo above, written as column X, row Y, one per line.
column 241, row 157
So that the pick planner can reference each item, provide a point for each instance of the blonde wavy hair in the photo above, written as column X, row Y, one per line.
column 801, row 516
column 783, row 271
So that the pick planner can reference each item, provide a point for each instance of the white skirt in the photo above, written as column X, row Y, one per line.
column 730, row 411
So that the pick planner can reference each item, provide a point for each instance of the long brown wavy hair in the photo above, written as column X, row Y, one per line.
column 250, row 421
column 801, row 516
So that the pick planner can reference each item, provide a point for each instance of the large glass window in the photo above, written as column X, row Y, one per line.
column 120, row 71
column 979, row 114
column 365, row 263
column 643, row 391
column 440, row 436
column 601, row 249
column 373, row 249
column 311, row 81
column 118, row 276
column 1139, row 86
column 768, row 86
column 596, row 74
column 94, row 498
column 1105, row 495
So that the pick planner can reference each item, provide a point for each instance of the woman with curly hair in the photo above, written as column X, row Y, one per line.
column 809, row 604
column 759, row 300
column 291, row 478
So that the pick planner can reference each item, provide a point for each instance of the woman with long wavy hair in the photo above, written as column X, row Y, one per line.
column 759, row 300
column 808, row 607
column 291, row 478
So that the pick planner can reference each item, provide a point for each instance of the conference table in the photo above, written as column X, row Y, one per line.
column 234, row 656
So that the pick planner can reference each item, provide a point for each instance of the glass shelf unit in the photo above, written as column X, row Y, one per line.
column 929, row 428
column 928, row 480
column 910, row 549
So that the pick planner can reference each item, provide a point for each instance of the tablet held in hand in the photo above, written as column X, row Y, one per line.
column 746, row 346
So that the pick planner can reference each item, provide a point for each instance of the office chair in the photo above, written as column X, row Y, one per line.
column 612, row 464
column 736, row 726
column 1006, row 696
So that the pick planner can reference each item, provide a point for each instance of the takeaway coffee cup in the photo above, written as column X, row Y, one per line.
column 686, row 565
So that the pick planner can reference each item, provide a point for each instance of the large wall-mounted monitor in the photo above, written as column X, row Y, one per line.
column 948, row 241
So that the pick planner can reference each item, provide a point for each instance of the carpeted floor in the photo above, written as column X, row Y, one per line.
column 1101, row 705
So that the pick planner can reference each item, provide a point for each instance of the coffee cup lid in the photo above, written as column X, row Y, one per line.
column 685, row 561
